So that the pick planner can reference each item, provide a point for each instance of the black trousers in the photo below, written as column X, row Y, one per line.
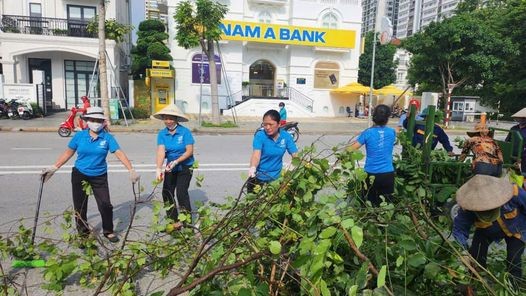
column 99, row 185
column 482, row 168
column 177, row 182
column 514, row 249
column 383, row 185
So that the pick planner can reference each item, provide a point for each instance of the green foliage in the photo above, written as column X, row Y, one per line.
column 384, row 65
column 113, row 29
column 227, row 124
column 151, row 45
column 37, row 111
column 140, row 112
column 307, row 233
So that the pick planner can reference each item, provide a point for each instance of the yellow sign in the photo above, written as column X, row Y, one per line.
column 160, row 64
column 161, row 73
column 282, row 34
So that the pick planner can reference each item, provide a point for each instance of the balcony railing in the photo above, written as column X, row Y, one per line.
column 45, row 26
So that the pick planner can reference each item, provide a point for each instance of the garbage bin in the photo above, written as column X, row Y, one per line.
column 114, row 109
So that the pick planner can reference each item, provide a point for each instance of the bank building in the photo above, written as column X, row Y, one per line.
column 295, row 51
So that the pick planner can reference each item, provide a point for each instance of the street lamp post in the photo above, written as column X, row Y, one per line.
column 450, row 88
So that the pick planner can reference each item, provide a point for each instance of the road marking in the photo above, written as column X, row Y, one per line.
column 32, row 148
column 141, row 165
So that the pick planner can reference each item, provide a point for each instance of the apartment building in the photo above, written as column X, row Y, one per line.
column 156, row 9
column 48, row 42
column 370, row 11
column 413, row 15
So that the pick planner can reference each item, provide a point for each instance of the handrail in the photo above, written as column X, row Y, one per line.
column 300, row 98
column 45, row 26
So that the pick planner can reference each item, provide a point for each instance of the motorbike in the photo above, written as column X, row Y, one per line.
column 25, row 110
column 290, row 127
column 68, row 126
column 12, row 111
column 4, row 107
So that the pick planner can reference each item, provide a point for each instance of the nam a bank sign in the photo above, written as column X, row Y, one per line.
column 282, row 34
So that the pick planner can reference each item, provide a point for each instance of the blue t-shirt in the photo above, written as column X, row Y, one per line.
column 379, row 142
column 175, row 145
column 282, row 113
column 271, row 161
column 91, row 153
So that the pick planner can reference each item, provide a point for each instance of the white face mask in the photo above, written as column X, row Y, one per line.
column 95, row 126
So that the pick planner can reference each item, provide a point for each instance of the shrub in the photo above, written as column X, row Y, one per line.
column 140, row 113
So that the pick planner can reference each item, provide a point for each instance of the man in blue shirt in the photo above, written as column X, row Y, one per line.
column 439, row 135
column 269, row 146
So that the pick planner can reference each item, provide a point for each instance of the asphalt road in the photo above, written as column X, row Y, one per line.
column 223, row 161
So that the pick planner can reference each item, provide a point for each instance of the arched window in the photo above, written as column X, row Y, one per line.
column 329, row 20
column 265, row 17
column 326, row 75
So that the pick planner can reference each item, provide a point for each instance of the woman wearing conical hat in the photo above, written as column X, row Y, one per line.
column 497, row 209
column 175, row 143
column 487, row 155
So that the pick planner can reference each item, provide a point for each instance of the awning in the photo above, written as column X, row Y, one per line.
column 351, row 88
column 389, row 90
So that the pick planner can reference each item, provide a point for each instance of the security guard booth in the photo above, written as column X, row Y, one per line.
column 161, row 80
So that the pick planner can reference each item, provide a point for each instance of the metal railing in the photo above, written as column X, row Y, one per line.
column 45, row 26
column 300, row 98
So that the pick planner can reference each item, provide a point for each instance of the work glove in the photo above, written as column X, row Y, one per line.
column 171, row 165
column 252, row 172
column 158, row 174
column 134, row 177
column 48, row 172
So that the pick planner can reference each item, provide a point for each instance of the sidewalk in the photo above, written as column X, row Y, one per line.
column 245, row 125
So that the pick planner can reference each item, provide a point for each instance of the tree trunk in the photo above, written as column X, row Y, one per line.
column 213, row 82
column 103, row 76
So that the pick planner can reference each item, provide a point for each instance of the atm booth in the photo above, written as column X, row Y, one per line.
column 161, row 80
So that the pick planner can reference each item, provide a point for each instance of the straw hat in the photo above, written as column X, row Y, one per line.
column 479, row 129
column 483, row 193
column 521, row 113
column 172, row 110
column 94, row 112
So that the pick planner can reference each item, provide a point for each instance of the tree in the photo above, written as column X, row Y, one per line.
column 199, row 25
column 384, row 65
column 461, row 50
column 103, row 76
column 151, row 45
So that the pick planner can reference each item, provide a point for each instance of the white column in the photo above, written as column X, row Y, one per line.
column 9, row 71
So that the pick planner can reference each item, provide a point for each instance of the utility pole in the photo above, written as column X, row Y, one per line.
column 450, row 88
column 103, row 76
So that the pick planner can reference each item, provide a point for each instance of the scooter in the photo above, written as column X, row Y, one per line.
column 12, row 111
column 25, row 110
column 68, row 126
column 4, row 107
column 290, row 127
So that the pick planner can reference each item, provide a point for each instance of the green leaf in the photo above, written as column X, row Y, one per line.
column 416, row 260
column 347, row 223
column 399, row 261
column 274, row 247
column 431, row 270
column 380, row 280
column 328, row 232
column 324, row 290
column 352, row 290
column 307, row 196
column 357, row 235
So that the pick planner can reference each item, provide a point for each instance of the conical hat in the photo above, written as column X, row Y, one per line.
column 521, row 113
column 483, row 193
column 172, row 110
column 479, row 129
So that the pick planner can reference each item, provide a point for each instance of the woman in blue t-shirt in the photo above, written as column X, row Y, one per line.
column 269, row 146
column 379, row 142
column 92, row 146
column 175, row 143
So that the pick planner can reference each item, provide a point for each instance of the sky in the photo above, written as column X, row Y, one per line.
column 137, row 16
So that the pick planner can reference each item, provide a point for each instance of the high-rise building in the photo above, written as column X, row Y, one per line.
column 157, row 10
column 370, row 11
column 413, row 15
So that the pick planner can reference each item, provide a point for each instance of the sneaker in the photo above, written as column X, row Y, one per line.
column 112, row 237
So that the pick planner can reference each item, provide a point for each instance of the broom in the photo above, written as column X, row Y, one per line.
column 35, row 262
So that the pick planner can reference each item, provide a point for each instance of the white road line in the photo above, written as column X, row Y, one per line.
column 124, row 171
column 33, row 148
column 14, row 167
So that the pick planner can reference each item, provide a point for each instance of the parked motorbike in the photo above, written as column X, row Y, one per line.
column 68, row 126
column 25, row 110
column 290, row 127
column 12, row 111
column 4, row 108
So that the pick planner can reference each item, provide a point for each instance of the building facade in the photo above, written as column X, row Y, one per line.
column 413, row 15
column 48, row 42
column 275, row 49
column 156, row 10
column 370, row 10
